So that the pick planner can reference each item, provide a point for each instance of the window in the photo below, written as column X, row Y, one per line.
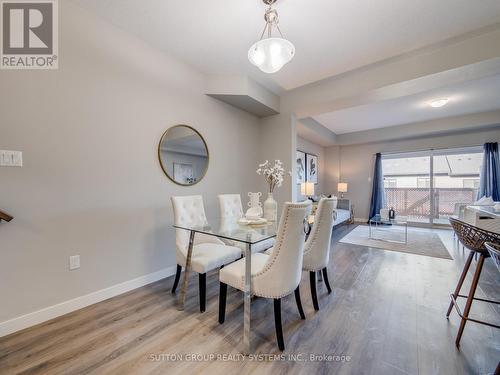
column 425, row 185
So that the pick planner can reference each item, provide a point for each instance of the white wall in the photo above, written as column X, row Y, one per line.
column 91, row 183
column 356, row 161
column 315, row 149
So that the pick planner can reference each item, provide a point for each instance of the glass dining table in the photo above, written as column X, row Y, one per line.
column 233, row 231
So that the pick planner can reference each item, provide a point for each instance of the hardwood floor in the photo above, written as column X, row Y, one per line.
column 386, row 312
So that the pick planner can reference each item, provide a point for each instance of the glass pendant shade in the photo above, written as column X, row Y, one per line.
column 271, row 54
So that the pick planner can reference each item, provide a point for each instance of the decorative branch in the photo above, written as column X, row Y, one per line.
column 273, row 174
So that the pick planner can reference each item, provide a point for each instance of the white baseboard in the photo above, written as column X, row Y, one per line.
column 51, row 312
column 360, row 220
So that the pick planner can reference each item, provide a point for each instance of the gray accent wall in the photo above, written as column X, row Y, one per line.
column 278, row 140
column 91, row 183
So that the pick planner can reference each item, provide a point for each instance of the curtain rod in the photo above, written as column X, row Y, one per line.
column 427, row 149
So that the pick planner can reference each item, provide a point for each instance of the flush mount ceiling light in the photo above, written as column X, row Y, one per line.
column 436, row 103
column 270, row 53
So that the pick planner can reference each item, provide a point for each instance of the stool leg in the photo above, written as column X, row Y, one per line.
column 470, row 298
column 461, row 281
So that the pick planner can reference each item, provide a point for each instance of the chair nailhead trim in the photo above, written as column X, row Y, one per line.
column 316, row 229
column 274, row 255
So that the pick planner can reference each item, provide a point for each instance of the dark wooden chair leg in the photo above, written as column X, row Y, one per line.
column 277, row 323
column 312, row 281
column 203, row 290
column 299, row 303
column 325, row 278
column 222, row 302
column 461, row 281
column 470, row 298
column 177, row 277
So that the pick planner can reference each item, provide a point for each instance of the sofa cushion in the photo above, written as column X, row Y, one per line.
column 342, row 215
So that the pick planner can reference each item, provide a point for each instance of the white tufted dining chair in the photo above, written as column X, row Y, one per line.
column 208, row 253
column 230, row 206
column 231, row 210
column 277, row 275
column 317, row 246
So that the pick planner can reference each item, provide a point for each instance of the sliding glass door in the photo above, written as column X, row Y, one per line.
column 407, row 179
column 425, row 186
column 456, row 180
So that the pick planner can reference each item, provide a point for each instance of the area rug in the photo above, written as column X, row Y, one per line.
column 420, row 242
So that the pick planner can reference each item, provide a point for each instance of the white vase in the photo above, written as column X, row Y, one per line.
column 270, row 208
column 254, row 199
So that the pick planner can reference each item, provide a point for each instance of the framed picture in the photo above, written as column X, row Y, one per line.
column 184, row 173
column 312, row 168
column 301, row 167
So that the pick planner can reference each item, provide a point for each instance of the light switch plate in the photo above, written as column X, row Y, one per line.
column 74, row 262
column 11, row 158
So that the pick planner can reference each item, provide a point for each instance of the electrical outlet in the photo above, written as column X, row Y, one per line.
column 11, row 158
column 74, row 262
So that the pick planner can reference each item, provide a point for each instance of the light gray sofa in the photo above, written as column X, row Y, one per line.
column 343, row 211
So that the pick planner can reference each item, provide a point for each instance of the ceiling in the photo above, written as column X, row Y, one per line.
column 468, row 97
column 330, row 36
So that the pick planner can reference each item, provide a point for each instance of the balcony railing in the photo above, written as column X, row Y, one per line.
column 416, row 202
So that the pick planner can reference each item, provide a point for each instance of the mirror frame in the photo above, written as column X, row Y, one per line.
column 161, row 163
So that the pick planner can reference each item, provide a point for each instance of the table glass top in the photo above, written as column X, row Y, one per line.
column 397, row 220
column 232, row 230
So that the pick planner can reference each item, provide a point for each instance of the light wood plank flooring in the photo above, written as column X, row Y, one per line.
column 386, row 312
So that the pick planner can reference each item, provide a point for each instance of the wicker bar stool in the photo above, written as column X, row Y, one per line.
column 494, row 250
column 474, row 239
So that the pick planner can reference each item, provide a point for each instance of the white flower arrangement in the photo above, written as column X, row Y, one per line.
column 274, row 174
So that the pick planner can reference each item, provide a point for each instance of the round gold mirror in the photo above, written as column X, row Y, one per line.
column 183, row 155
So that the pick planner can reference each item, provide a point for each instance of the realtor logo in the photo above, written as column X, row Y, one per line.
column 29, row 34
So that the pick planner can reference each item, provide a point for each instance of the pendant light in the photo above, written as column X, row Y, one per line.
column 270, row 53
